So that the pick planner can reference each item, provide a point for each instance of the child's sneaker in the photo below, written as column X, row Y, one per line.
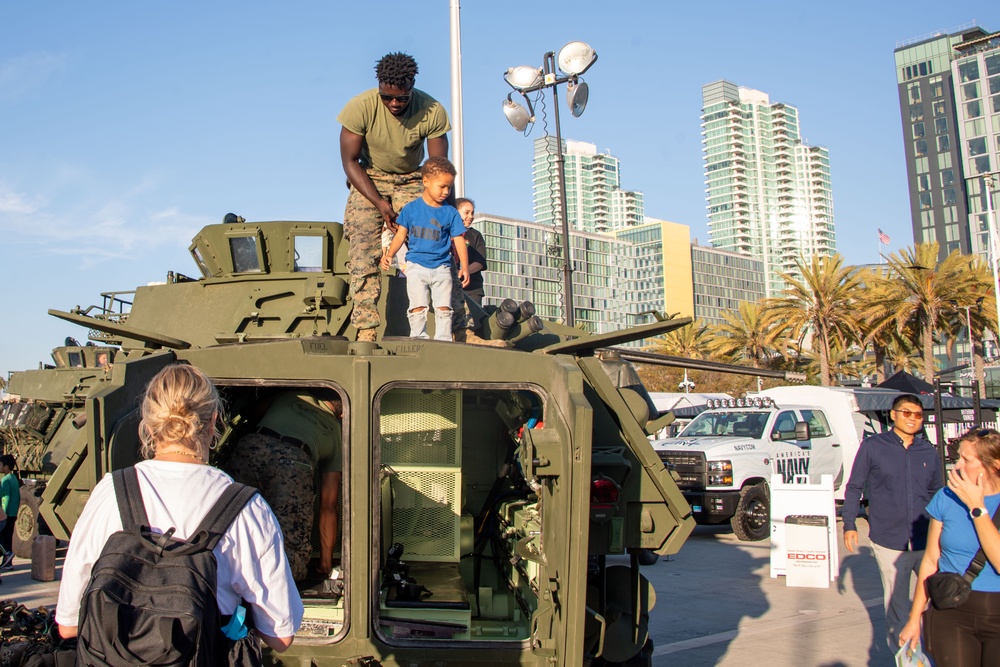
column 8, row 561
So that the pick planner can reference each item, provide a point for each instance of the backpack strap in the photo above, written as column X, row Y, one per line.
column 979, row 561
column 130, row 505
column 224, row 512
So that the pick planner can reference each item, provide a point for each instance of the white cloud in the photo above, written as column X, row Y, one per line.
column 20, row 75
column 13, row 202
column 97, row 229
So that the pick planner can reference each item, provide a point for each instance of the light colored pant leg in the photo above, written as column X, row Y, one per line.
column 418, row 292
column 898, row 570
column 440, row 285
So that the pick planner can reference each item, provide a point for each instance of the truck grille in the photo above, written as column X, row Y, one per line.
column 691, row 468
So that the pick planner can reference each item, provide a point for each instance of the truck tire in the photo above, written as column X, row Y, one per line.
column 648, row 557
column 644, row 658
column 28, row 524
column 753, row 513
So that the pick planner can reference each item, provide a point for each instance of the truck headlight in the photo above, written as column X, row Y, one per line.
column 720, row 473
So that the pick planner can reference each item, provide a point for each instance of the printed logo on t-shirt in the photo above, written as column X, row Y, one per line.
column 427, row 232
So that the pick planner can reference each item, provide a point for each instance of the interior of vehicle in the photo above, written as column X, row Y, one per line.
column 454, row 515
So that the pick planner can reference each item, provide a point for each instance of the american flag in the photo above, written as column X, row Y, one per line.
column 883, row 237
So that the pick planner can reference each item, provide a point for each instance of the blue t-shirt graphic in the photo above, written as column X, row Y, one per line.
column 429, row 232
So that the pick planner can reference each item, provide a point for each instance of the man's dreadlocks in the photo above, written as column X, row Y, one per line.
column 396, row 69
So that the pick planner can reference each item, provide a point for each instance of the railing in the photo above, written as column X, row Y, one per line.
column 939, row 33
column 114, row 309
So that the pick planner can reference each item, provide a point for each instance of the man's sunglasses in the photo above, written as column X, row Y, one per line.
column 910, row 413
column 395, row 98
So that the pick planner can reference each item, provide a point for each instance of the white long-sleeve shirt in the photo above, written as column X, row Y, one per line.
column 250, row 556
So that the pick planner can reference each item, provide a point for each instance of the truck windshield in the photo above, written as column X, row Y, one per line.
column 736, row 424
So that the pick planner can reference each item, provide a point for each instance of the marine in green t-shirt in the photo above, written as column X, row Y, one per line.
column 382, row 147
column 299, row 436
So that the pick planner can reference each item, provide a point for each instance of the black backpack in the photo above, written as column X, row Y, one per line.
column 151, row 597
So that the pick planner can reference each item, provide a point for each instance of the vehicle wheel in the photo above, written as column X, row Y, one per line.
column 648, row 557
column 29, row 524
column 750, row 523
column 644, row 658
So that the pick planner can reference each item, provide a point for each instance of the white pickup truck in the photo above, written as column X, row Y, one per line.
column 725, row 457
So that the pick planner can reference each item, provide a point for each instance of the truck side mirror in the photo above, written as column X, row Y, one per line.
column 802, row 431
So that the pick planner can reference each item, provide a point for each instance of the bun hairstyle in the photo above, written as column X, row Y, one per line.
column 178, row 408
column 986, row 442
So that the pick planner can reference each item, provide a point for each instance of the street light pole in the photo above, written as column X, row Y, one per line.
column 550, row 61
column 972, row 350
column 994, row 244
column 573, row 60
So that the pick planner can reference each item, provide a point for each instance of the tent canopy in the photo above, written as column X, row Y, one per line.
column 908, row 384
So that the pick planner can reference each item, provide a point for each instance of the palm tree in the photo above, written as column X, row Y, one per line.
column 923, row 290
column 902, row 356
column 689, row 341
column 876, row 308
column 821, row 303
column 975, row 304
column 745, row 336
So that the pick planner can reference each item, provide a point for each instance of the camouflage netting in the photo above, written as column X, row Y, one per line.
column 24, row 429
column 26, row 447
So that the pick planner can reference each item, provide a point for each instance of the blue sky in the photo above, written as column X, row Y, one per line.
column 126, row 126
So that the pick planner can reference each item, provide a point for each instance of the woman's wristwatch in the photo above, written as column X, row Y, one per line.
column 977, row 512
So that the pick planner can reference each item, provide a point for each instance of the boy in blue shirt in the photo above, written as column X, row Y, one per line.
column 431, row 227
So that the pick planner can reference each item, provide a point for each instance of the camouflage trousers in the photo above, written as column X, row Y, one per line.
column 363, row 232
column 284, row 475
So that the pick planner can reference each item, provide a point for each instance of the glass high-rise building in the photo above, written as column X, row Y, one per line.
column 595, row 201
column 949, row 133
column 976, row 72
column 769, row 194
column 525, row 263
column 662, row 268
column 721, row 280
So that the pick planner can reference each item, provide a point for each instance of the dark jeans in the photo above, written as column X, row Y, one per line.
column 967, row 636
column 7, row 534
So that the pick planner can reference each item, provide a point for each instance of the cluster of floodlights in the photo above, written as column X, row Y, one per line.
column 755, row 402
column 573, row 60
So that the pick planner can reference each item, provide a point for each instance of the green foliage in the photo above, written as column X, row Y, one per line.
column 747, row 336
column 839, row 321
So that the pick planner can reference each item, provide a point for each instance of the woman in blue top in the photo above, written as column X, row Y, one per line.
column 961, row 522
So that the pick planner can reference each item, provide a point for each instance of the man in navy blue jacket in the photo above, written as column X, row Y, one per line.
column 899, row 472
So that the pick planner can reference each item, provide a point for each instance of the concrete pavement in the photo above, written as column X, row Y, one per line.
column 718, row 605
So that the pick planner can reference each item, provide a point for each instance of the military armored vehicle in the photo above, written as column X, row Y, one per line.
column 54, row 393
column 495, row 502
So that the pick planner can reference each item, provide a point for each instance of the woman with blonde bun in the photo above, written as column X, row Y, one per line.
column 179, row 412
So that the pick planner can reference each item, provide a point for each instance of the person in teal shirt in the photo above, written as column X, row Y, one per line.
column 10, row 500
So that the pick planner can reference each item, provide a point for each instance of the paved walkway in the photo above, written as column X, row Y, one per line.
column 718, row 605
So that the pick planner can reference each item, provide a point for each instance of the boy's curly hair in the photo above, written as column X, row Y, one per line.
column 396, row 69
column 437, row 165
